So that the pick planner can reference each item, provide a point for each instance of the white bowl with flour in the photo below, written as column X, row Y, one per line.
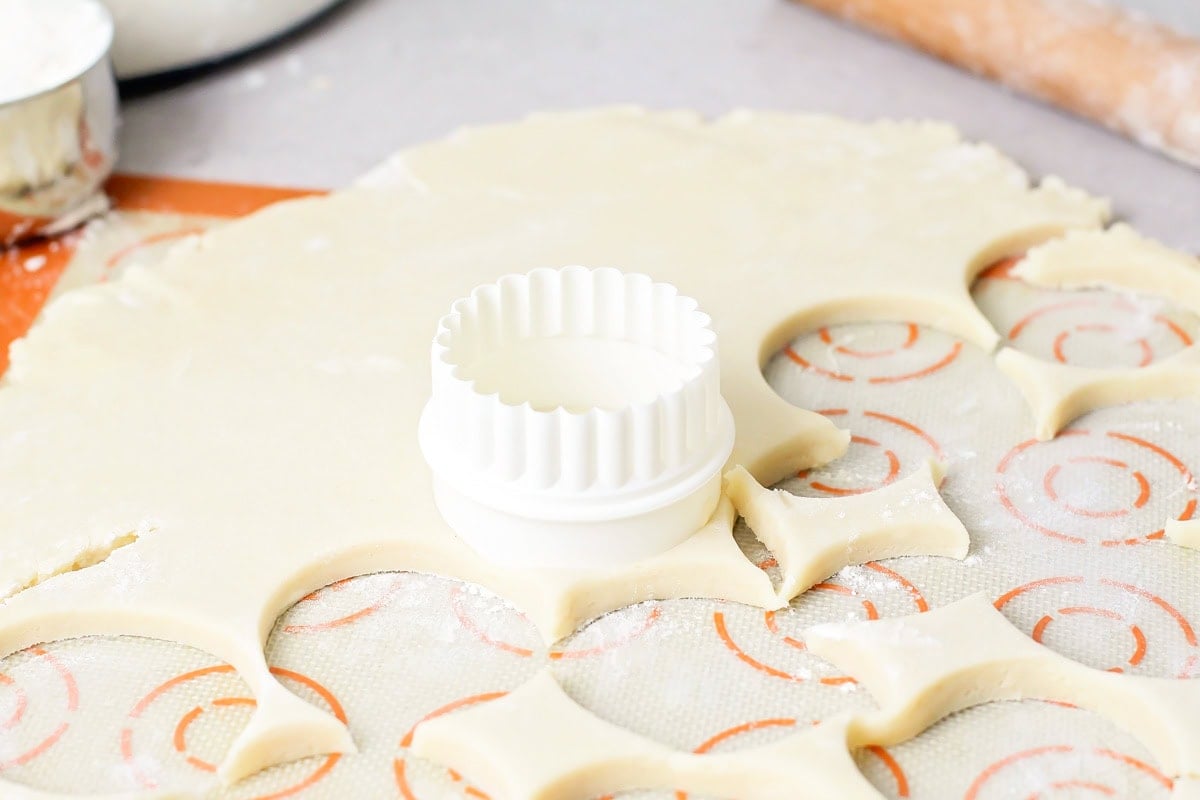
column 47, row 43
column 58, row 112
column 160, row 35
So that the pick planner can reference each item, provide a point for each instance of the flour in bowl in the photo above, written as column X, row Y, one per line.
column 46, row 43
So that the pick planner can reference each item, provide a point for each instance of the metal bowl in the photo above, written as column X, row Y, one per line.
column 57, row 147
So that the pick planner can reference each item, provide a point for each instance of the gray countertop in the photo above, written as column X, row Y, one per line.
column 325, row 105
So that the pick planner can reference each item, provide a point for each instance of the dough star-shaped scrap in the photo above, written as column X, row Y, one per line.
column 813, row 537
column 248, row 410
column 538, row 744
column 924, row 667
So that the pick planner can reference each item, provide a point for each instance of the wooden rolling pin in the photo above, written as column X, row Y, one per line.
column 1121, row 70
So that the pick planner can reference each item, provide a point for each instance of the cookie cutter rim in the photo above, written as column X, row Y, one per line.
column 542, row 502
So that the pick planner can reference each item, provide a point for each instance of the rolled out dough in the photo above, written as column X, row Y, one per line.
column 924, row 667
column 249, row 409
column 813, row 537
column 538, row 744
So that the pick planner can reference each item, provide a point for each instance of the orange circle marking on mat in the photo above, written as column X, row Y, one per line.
column 21, row 705
column 1184, row 337
column 913, row 592
column 1060, row 341
column 399, row 763
column 1001, row 270
column 179, row 735
column 1141, row 500
column 910, row 427
column 1185, row 627
column 1065, row 305
column 826, row 337
column 1092, row 786
column 893, row 460
column 1013, row 594
column 942, row 363
column 70, row 687
column 992, row 770
column 1135, row 630
column 1119, row 304
column 179, row 740
column 770, row 620
column 772, row 624
column 811, row 367
column 914, row 333
column 889, row 761
column 909, row 587
column 1139, row 638
column 1139, row 765
column 1189, row 632
column 1174, row 461
column 468, row 623
column 1048, row 480
column 752, row 662
column 841, row 491
column 352, row 617
column 587, row 652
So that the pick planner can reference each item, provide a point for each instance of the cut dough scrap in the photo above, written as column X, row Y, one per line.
column 924, row 667
column 1185, row 533
column 251, row 404
column 813, row 537
column 1118, row 258
column 538, row 744
column 1060, row 393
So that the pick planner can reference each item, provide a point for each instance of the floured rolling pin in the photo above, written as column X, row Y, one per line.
column 1124, row 71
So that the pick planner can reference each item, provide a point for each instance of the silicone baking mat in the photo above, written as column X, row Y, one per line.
column 1066, row 537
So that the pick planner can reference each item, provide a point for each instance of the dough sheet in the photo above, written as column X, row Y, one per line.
column 538, row 743
column 923, row 667
column 691, row 673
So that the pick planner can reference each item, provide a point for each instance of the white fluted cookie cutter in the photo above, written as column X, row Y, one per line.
column 576, row 418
